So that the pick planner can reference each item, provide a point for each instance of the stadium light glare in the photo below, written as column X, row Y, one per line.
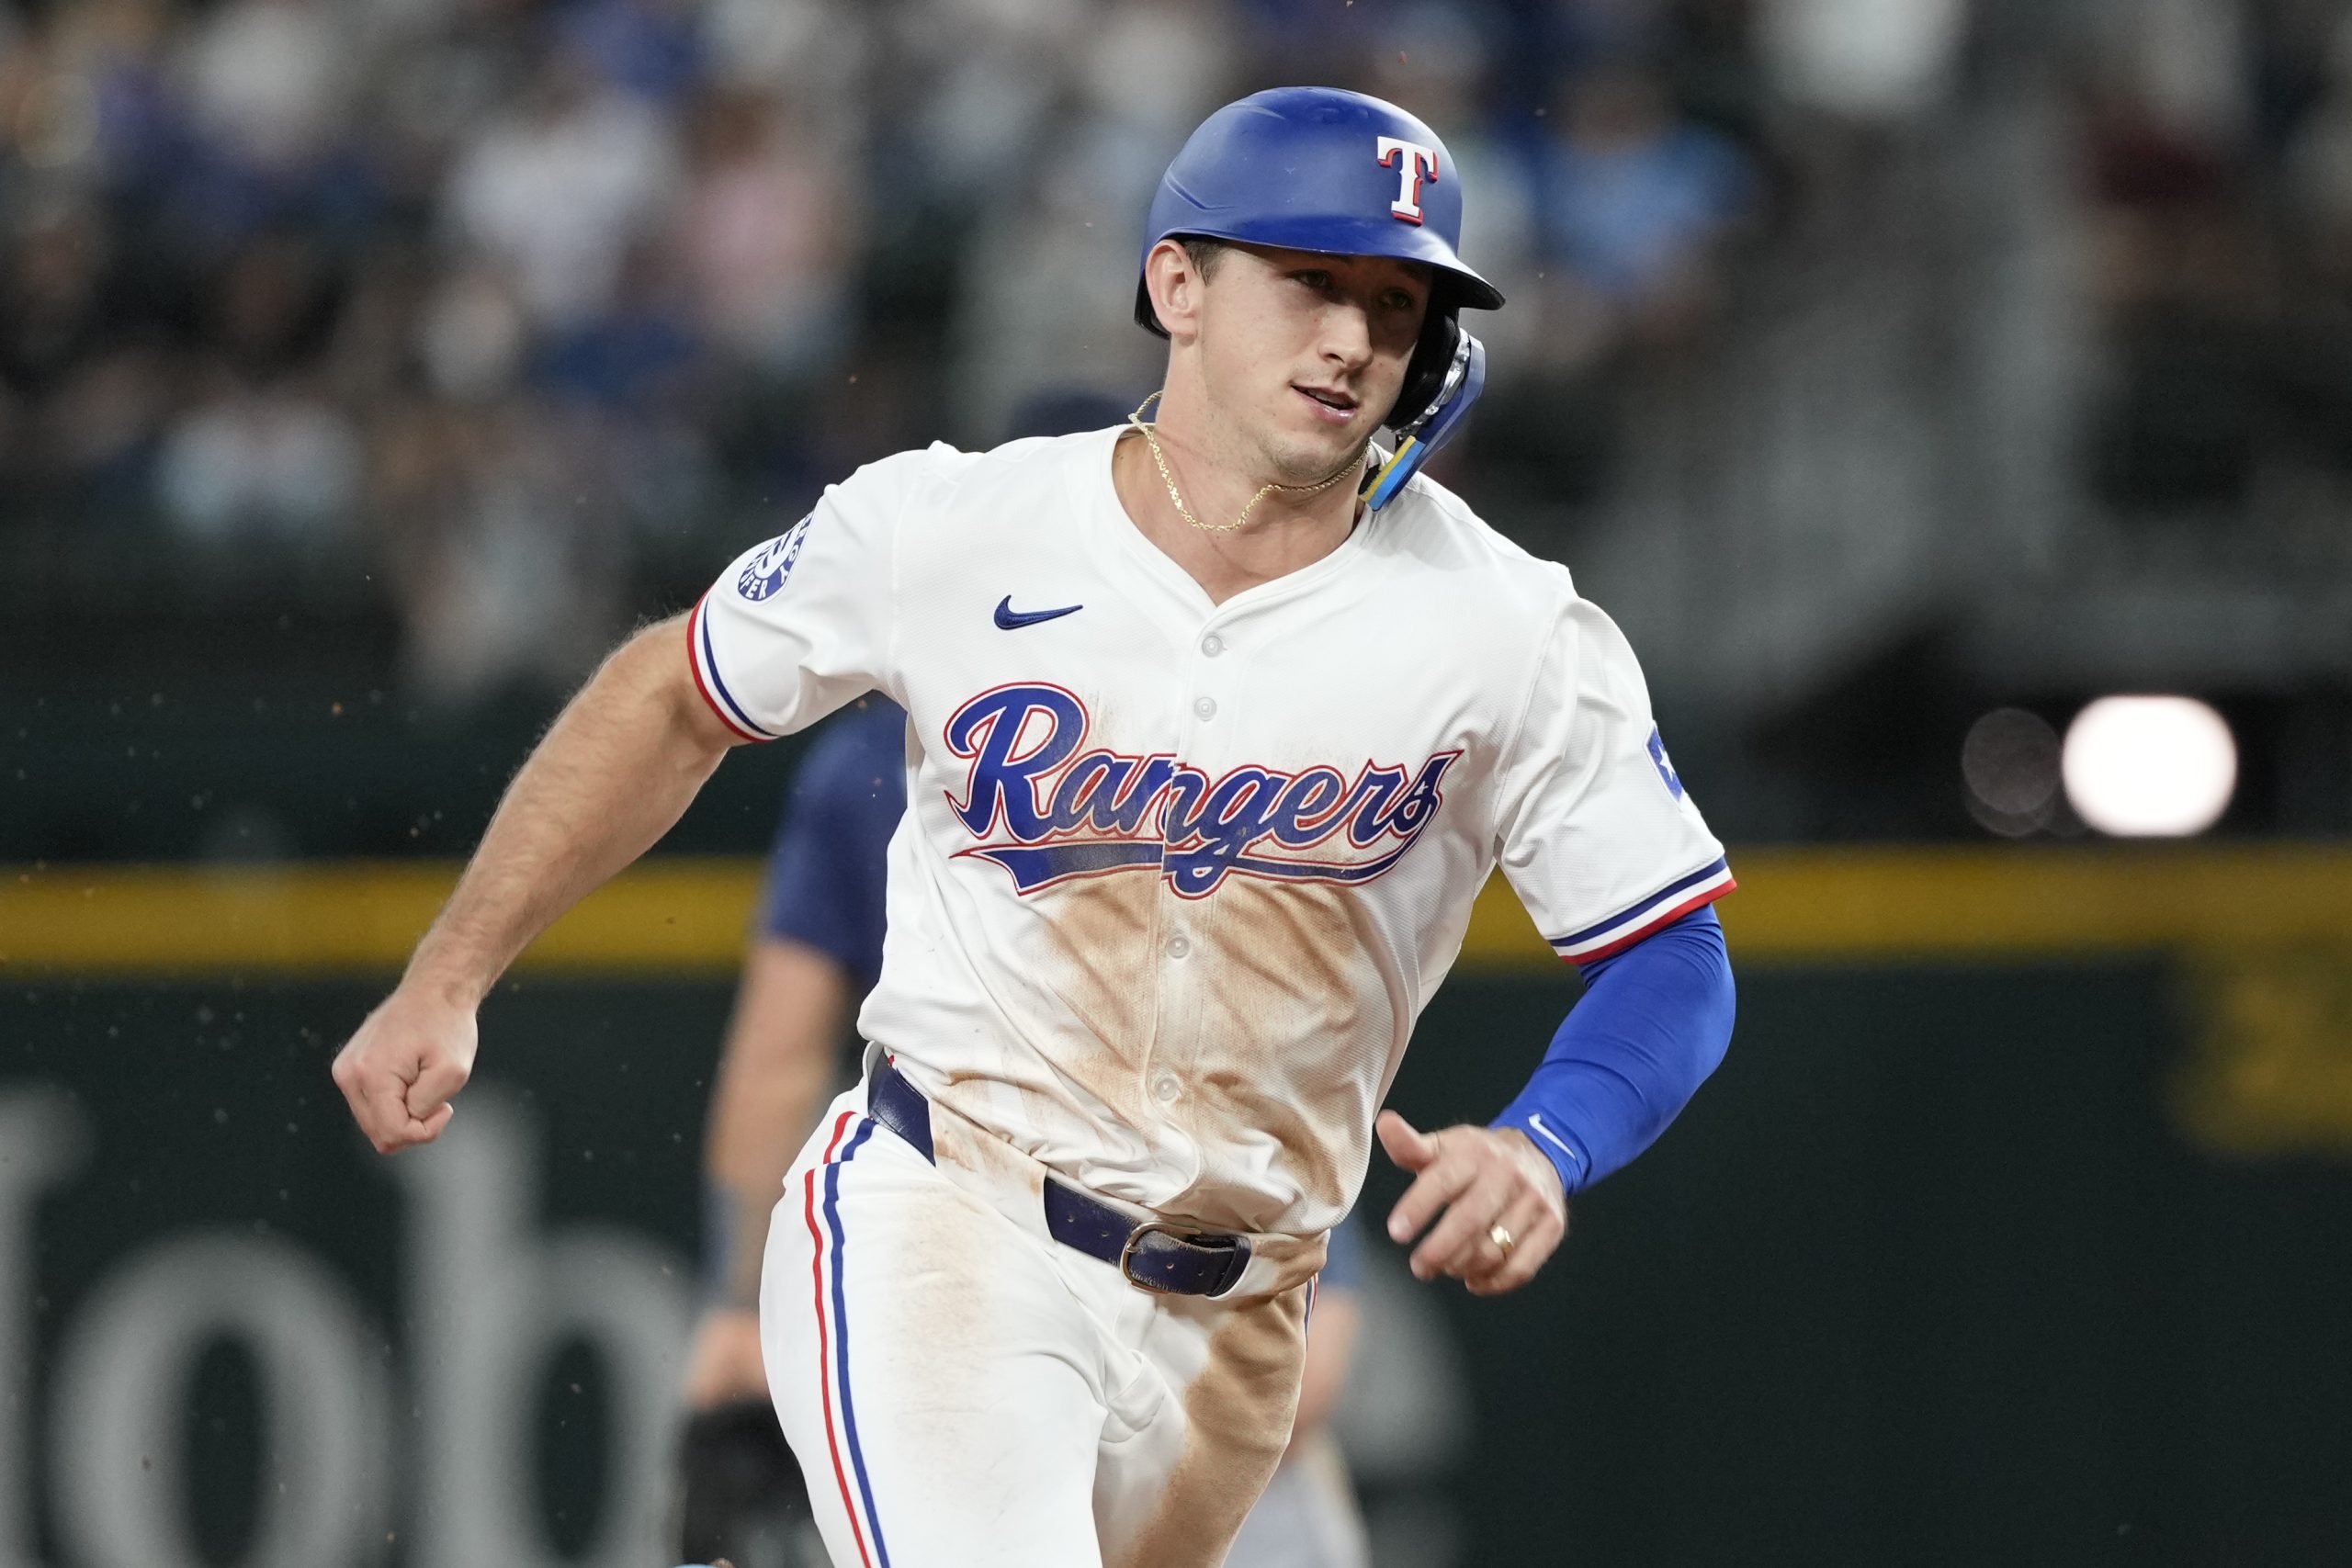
column 2149, row 766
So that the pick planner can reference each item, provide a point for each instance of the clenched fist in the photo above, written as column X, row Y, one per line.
column 1489, row 1182
column 399, row 1069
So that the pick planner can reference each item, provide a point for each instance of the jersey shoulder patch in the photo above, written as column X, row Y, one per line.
column 765, row 574
column 1664, row 765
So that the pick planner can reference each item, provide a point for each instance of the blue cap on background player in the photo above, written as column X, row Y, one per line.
column 1324, row 169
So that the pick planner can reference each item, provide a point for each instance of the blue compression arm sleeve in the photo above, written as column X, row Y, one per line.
column 1654, row 1022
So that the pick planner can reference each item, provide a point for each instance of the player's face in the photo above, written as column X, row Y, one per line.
column 1303, row 353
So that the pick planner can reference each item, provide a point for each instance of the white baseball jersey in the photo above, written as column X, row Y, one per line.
column 1177, row 877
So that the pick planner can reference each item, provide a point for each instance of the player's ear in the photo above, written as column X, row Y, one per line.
column 1174, row 282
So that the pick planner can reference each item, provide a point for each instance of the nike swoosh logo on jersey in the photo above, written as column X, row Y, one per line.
column 1009, row 619
column 1535, row 1120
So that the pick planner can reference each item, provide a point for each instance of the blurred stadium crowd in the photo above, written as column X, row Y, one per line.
column 502, row 321
column 499, row 297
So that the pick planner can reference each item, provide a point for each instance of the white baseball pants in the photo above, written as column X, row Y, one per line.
column 964, row 1391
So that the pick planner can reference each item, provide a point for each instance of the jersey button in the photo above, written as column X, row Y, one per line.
column 1166, row 1089
column 1213, row 644
column 1177, row 947
column 1206, row 709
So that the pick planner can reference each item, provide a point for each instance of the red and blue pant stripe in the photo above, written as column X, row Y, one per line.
column 832, row 1340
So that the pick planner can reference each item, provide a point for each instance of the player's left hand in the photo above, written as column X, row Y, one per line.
column 1476, row 1179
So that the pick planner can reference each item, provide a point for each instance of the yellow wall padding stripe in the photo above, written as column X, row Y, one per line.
column 1830, row 906
column 665, row 917
column 686, row 917
column 1969, row 902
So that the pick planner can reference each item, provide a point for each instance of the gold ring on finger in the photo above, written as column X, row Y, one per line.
column 1502, row 1237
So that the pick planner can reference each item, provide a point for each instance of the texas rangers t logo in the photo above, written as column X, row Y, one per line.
column 1046, row 813
column 1413, row 164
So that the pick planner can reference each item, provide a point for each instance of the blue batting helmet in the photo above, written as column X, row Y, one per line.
column 1319, row 169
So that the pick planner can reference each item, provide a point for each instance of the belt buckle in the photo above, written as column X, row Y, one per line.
column 1135, row 1239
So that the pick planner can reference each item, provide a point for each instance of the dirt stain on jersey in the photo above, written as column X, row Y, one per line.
column 1295, row 1039
column 1101, row 935
column 1008, row 1179
column 1238, row 1415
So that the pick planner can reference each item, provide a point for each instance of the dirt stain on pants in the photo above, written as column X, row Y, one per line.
column 1238, row 1415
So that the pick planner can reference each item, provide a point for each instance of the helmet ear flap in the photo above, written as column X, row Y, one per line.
column 1421, row 431
column 1425, row 372
column 1145, row 316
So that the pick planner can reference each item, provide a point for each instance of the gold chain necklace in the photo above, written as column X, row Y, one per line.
column 1185, row 512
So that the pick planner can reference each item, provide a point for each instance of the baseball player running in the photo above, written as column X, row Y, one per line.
column 1217, row 725
column 816, row 947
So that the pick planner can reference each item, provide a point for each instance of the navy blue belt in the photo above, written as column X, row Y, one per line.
column 1154, row 1255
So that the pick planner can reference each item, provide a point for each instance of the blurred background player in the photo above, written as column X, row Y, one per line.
column 816, row 948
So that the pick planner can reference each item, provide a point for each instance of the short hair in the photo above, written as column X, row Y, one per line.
column 1205, row 252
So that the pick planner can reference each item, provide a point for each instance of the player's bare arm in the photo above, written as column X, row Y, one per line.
column 1338, row 1320
column 773, row 1077
column 614, row 774
column 773, row 1081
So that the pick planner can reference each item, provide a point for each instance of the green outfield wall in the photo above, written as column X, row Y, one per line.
column 2015, row 1229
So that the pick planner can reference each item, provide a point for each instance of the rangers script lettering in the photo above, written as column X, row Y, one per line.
column 1125, row 813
